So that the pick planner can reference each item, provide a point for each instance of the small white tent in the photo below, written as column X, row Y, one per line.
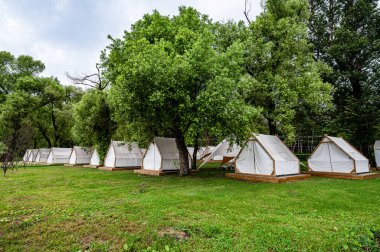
column 42, row 155
column 33, row 155
column 335, row 155
column 122, row 155
column 377, row 153
column 266, row 155
column 59, row 156
column 80, row 155
column 95, row 159
column 25, row 158
column 162, row 155
column 223, row 152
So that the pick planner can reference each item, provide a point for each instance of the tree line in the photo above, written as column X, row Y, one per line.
column 300, row 68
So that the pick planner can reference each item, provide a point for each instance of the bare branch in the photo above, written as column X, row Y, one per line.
column 247, row 11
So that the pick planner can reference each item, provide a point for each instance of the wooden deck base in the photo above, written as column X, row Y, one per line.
column 361, row 176
column 105, row 168
column 91, row 166
column 267, row 178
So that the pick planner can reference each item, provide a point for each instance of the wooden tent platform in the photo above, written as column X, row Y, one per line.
column 105, row 168
column 267, row 178
column 158, row 173
column 91, row 166
column 337, row 175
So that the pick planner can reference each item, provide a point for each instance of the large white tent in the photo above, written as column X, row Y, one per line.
column 42, row 155
column 33, row 155
column 25, row 158
column 162, row 155
column 223, row 152
column 266, row 155
column 335, row 155
column 122, row 155
column 80, row 155
column 59, row 156
column 377, row 153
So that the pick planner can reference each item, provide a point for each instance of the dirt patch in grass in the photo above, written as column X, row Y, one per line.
column 173, row 233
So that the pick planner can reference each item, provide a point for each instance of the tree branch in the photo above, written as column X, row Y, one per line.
column 246, row 12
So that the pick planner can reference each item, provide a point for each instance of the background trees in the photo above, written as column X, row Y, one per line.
column 190, row 78
column 285, row 79
column 346, row 35
column 34, row 111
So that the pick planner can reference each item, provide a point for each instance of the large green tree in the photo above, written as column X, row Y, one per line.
column 346, row 35
column 285, row 78
column 170, row 79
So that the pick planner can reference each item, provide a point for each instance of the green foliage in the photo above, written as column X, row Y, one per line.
column 285, row 78
column 93, row 124
column 34, row 111
column 169, row 79
column 346, row 35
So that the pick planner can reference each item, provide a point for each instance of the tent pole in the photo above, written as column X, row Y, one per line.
column 328, row 146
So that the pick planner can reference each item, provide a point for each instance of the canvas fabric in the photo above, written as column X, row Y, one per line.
column 223, row 149
column 377, row 153
column 336, row 155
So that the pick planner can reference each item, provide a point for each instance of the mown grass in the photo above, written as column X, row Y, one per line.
column 70, row 209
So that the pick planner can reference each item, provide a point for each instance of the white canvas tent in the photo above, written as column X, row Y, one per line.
column 42, row 155
column 223, row 152
column 162, row 155
column 266, row 155
column 199, row 152
column 206, row 151
column 80, row 155
column 59, row 156
column 25, row 158
column 335, row 155
column 123, row 154
column 95, row 159
column 377, row 153
column 33, row 155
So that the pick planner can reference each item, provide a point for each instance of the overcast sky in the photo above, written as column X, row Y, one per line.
column 68, row 35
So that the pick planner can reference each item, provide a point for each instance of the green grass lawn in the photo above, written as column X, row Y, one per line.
column 70, row 209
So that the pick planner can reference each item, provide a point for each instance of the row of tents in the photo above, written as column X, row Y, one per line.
column 262, row 154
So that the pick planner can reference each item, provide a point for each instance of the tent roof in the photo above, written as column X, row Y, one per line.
column 82, row 151
column 34, row 151
column 223, row 149
column 44, row 151
column 124, row 149
column 167, row 147
column 346, row 147
column 275, row 147
column 377, row 145
column 61, row 151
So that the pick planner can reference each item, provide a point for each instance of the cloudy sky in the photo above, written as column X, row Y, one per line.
column 68, row 35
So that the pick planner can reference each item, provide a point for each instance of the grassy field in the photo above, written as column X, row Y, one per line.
column 70, row 209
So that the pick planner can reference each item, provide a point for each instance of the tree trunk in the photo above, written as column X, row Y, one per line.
column 183, row 154
column 357, row 91
column 55, row 130
column 272, row 126
column 194, row 162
